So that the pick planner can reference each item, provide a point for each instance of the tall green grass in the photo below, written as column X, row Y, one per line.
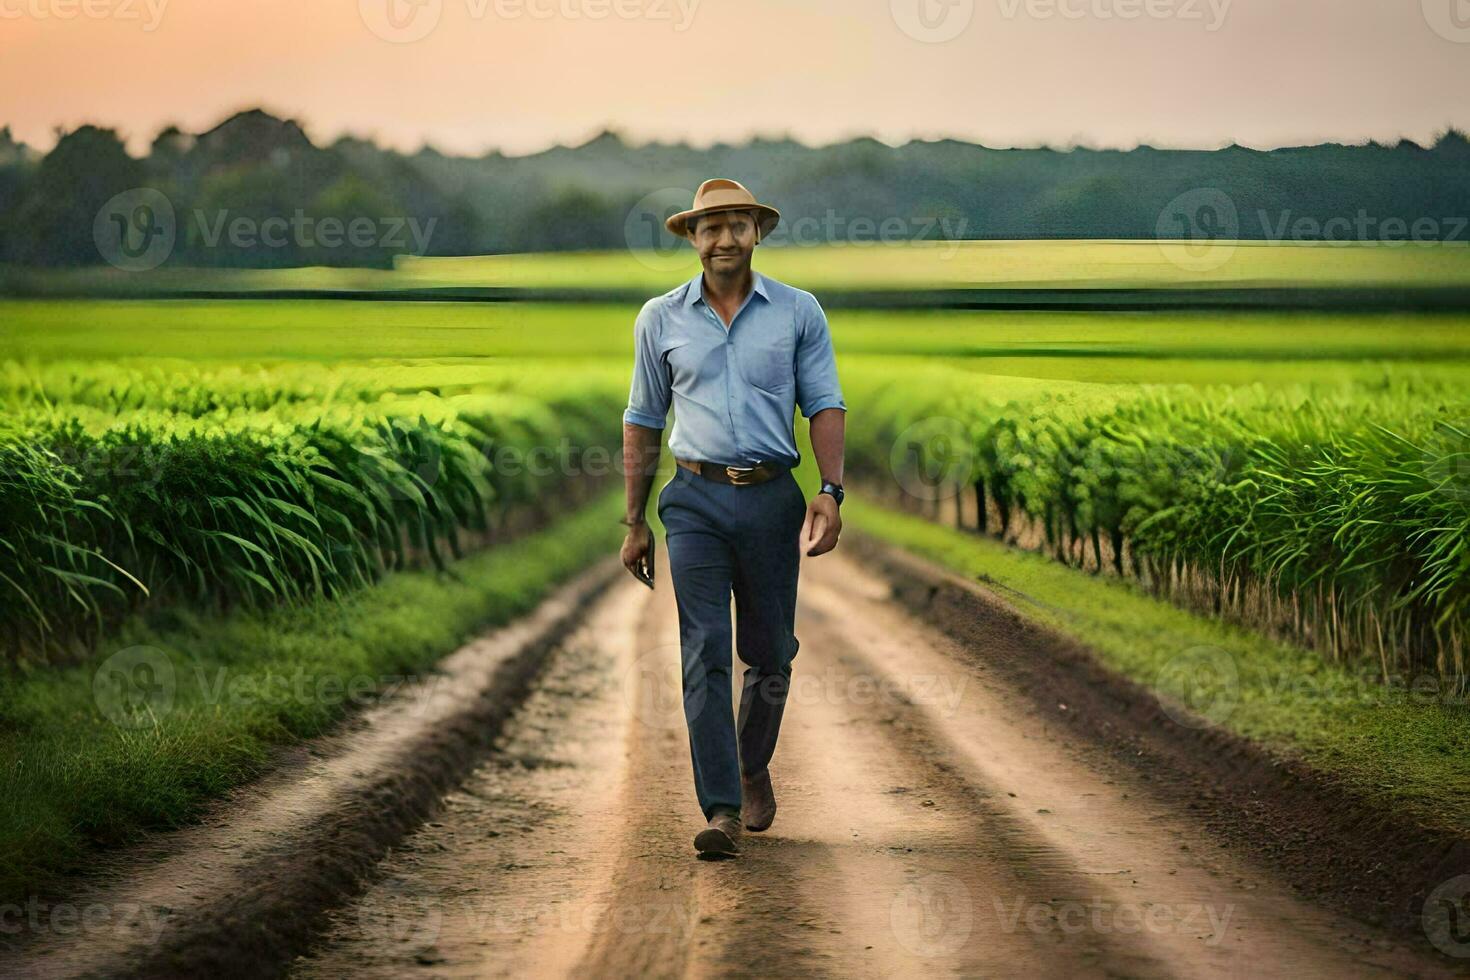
column 1338, row 516
column 245, row 683
column 118, row 492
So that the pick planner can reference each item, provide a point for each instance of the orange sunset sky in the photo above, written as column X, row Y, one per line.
column 520, row 75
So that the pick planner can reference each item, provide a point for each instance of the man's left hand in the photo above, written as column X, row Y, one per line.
column 822, row 527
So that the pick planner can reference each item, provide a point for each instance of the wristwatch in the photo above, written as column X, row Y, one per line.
column 835, row 489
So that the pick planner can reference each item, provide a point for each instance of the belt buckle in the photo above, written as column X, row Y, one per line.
column 739, row 475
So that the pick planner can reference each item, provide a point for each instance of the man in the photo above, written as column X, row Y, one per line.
column 736, row 353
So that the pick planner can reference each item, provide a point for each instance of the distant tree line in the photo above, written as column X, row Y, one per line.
column 255, row 191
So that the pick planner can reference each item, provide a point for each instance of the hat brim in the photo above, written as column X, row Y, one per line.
column 768, row 218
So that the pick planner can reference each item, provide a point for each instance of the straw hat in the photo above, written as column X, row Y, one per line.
column 720, row 194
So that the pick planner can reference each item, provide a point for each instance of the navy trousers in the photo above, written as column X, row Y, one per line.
column 725, row 540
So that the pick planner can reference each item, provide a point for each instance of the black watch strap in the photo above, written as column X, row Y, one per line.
column 835, row 489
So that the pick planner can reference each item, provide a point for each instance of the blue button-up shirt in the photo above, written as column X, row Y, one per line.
column 734, row 391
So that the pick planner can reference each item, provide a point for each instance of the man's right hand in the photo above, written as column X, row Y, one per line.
column 635, row 548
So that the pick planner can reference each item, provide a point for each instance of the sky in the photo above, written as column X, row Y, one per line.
column 469, row 76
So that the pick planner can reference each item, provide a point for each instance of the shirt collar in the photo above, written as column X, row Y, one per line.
column 695, row 292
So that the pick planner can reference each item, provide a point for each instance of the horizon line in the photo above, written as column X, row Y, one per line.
column 622, row 134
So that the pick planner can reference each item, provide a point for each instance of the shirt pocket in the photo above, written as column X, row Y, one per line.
column 771, row 366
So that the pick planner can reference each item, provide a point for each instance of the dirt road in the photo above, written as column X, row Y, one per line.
column 928, row 820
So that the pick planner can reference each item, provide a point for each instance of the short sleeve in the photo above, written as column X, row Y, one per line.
column 817, row 387
column 648, row 399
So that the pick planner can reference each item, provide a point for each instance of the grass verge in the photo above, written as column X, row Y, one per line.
column 1404, row 745
column 176, row 709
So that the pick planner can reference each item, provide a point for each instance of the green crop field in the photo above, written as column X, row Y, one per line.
column 950, row 264
column 292, row 448
column 144, row 481
column 878, row 266
column 327, row 330
column 1336, row 510
column 257, row 482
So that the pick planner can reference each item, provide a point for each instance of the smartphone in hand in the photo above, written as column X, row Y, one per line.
column 644, row 571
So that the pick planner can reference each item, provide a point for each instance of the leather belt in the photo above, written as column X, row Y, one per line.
column 739, row 476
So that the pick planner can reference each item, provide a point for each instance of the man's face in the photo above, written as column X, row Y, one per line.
column 725, row 240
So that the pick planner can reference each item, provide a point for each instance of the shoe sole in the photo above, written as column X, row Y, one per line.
column 714, row 844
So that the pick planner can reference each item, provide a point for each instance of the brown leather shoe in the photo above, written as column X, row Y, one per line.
column 759, row 804
column 718, row 839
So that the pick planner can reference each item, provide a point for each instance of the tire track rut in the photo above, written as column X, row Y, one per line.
column 928, row 820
